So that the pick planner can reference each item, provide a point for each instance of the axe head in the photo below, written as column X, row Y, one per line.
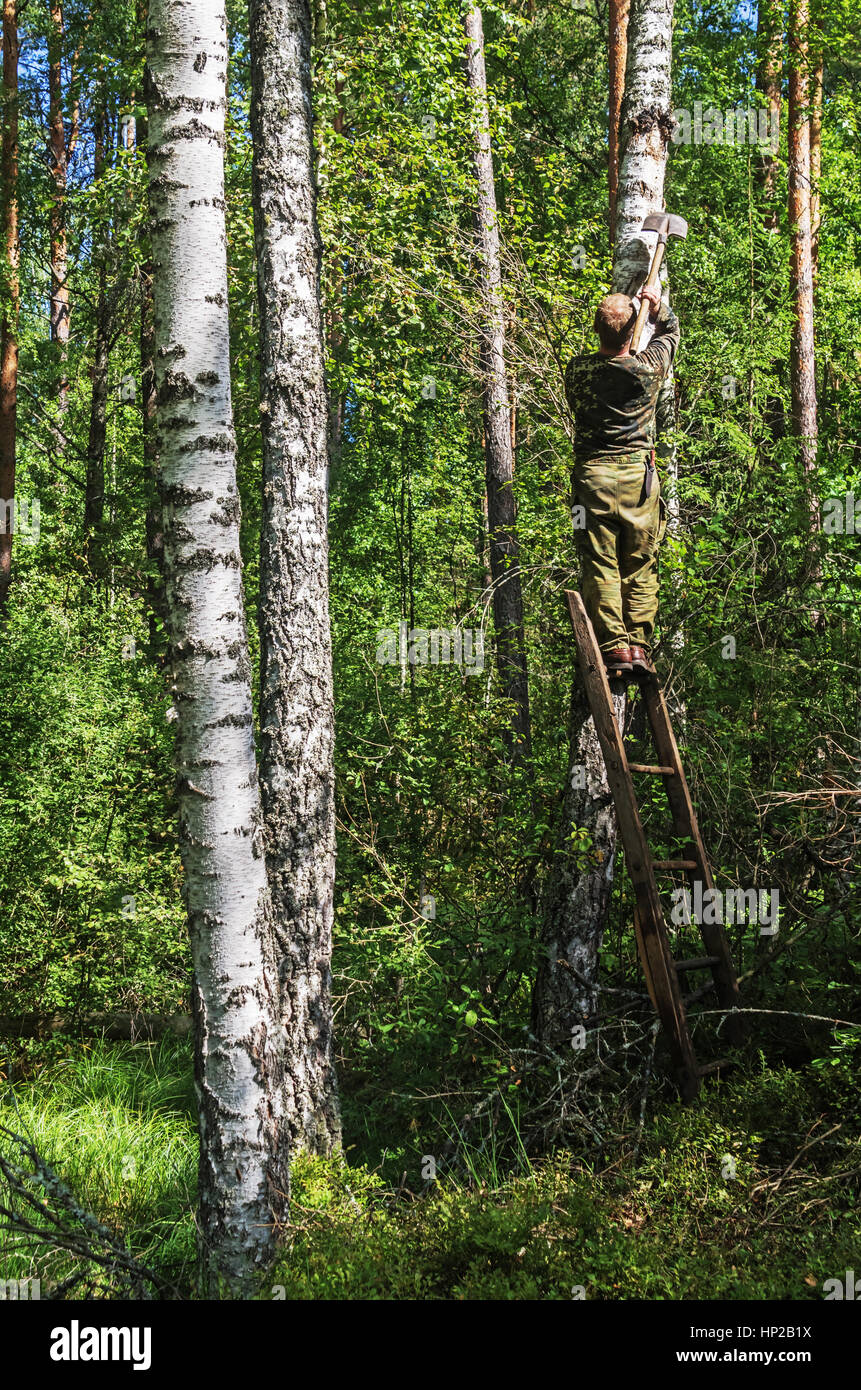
column 666, row 224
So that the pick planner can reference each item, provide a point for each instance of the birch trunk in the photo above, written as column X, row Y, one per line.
column 9, row 291
column 239, row 1053
column 647, row 124
column 575, row 903
column 499, row 457
column 296, row 702
column 617, row 56
column 802, row 355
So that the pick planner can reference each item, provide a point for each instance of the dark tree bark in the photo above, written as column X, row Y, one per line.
column 499, row 458
column 9, row 293
column 244, row 1135
column 296, row 701
column 802, row 359
column 617, row 56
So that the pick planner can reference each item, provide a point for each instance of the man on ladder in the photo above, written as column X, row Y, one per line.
column 613, row 394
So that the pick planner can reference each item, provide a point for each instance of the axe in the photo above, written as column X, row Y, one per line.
column 666, row 225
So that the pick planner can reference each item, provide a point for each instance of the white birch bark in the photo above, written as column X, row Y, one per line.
column 238, row 1065
column 296, row 703
column 647, row 124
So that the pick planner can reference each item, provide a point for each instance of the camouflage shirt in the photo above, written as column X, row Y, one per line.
column 613, row 399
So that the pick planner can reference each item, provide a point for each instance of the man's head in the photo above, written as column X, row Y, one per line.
column 614, row 322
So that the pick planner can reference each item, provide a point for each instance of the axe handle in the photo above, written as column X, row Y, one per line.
column 651, row 279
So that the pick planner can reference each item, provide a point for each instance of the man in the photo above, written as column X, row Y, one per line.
column 613, row 394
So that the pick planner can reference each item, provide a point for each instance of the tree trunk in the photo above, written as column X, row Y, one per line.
column 239, row 1052
column 499, row 459
column 94, row 495
column 296, row 701
column 59, row 163
column 575, row 903
column 769, row 35
column 802, row 359
column 647, row 124
column 576, row 900
column 617, row 56
column 9, row 293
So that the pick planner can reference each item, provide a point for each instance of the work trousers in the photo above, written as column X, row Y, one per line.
column 618, row 531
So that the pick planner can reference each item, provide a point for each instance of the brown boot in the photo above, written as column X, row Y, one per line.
column 640, row 662
column 618, row 663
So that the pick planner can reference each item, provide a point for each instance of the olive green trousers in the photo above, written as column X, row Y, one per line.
column 618, row 531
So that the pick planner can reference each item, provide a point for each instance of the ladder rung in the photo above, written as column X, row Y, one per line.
column 696, row 963
column 654, row 768
column 711, row 1067
column 675, row 864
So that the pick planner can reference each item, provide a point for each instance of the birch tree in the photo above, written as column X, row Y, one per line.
column 576, row 899
column 647, row 125
column 9, row 292
column 498, row 451
column 239, row 1055
column 296, row 701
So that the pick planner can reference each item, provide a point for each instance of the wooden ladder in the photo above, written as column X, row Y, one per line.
column 662, row 972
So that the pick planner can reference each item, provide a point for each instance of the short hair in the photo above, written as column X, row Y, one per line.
column 614, row 321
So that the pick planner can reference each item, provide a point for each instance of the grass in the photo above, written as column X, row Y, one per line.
column 722, row 1201
column 117, row 1123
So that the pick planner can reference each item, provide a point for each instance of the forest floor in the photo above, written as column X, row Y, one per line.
column 752, row 1192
